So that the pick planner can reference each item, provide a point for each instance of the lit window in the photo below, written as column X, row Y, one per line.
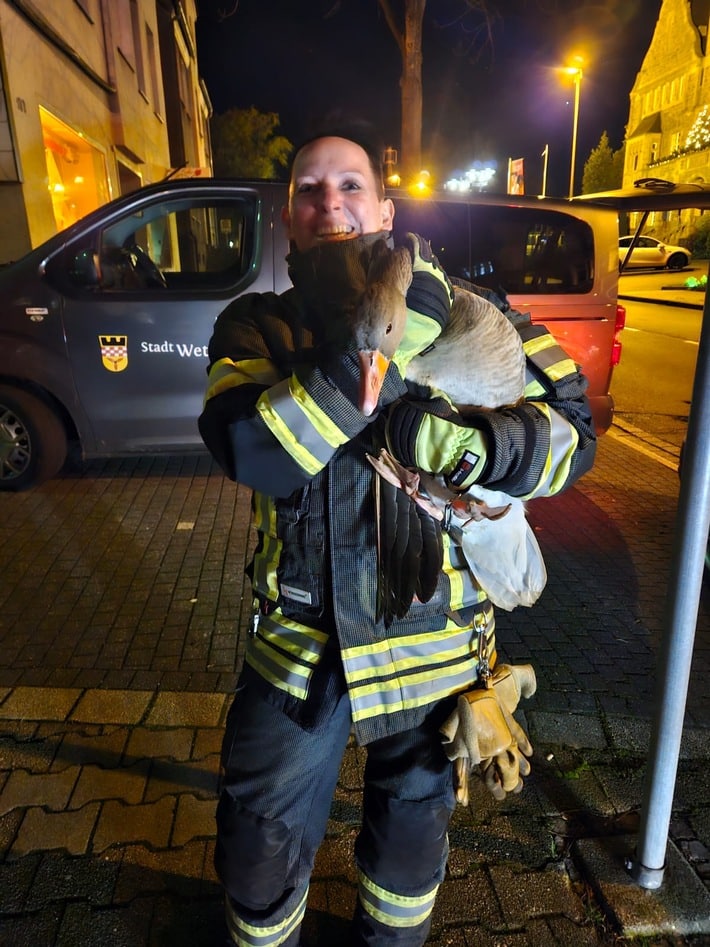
column 76, row 171
column 153, row 69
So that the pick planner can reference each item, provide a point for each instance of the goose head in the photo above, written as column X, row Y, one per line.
column 378, row 320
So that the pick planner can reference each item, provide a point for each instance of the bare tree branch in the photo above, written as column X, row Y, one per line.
column 334, row 8
column 391, row 21
column 225, row 15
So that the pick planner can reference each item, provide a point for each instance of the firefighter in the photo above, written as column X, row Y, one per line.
column 281, row 416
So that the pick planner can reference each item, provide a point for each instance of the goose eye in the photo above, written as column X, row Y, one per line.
column 388, row 329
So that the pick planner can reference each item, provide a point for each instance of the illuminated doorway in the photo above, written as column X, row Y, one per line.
column 76, row 171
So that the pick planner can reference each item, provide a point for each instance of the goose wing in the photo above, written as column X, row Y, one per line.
column 410, row 549
column 478, row 360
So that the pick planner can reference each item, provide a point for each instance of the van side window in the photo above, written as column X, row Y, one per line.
column 186, row 244
column 445, row 225
column 526, row 250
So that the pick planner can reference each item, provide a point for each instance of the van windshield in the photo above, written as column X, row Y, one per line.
column 527, row 250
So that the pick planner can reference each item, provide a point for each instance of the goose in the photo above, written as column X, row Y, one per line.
column 478, row 362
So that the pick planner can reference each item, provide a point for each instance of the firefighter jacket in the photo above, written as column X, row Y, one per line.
column 280, row 416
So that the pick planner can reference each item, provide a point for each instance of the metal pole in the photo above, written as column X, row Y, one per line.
column 691, row 536
column 545, row 155
column 575, row 121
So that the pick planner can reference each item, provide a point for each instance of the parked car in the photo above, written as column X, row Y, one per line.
column 104, row 328
column 649, row 252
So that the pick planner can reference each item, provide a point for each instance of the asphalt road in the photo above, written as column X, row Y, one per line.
column 652, row 385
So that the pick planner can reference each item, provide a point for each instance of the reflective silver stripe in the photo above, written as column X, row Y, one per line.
column 399, row 674
column 285, row 653
column 533, row 387
column 302, row 643
column 389, row 655
column 394, row 910
column 305, row 430
column 464, row 590
column 546, row 353
column 266, row 561
column 268, row 554
column 564, row 439
column 417, row 690
column 249, row 935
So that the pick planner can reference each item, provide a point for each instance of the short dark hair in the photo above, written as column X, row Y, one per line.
column 358, row 130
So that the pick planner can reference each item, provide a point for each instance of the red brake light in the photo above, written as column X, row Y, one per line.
column 618, row 326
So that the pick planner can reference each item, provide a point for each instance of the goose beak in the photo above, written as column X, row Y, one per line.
column 373, row 368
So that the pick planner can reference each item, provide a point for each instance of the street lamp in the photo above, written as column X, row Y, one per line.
column 576, row 73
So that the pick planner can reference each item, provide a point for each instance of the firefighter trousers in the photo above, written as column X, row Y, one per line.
column 278, row 784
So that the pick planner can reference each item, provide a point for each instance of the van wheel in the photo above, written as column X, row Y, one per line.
column 33, row 442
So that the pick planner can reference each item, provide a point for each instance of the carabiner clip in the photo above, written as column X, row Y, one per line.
column 480, row 624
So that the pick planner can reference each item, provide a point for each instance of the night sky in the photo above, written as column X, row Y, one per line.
column 303, row 58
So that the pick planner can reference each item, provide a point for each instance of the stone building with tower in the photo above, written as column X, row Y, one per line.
column 668, row 131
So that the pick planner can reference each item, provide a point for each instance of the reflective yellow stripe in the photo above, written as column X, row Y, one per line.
column 386, row 656
column 426, row 644
column 564, row 439
column 266, row 562
column 303, row 429
column 463, row 588
column 285, row 679
column 249, row 935
column 285, row 653
column 304, row 643
column 399, row 674
column 548, row 355
column 282, row 433
column 226, row 373
column 533, row 388
column 394, row 910
column 268, row 554
column 455, row 577
column 412, row 671
column 416, row 690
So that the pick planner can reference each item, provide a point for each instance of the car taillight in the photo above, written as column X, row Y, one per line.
column 618, row 326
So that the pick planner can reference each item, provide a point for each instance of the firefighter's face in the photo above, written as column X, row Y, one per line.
column 334, row 195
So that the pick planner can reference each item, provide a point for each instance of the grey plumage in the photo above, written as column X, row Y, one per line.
column 479, row 363
column 478, row 359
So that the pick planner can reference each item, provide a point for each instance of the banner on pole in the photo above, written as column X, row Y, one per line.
column 516, row 175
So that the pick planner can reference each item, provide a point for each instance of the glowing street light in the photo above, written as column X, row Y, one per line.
column 576, row 74
column 421, row 185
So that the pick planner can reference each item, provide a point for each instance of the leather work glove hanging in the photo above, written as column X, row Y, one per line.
column 482, row 731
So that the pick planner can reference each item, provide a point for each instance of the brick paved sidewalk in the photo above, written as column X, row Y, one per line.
column 121, row 623
column 107, row 805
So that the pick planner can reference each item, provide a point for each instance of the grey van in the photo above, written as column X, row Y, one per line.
column 104, row 328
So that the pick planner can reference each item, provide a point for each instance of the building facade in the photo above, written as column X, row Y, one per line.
column 97, row 97
column 668, row 132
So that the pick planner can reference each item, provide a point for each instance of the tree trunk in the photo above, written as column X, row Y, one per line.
column 409, row 42
column 412, row 89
